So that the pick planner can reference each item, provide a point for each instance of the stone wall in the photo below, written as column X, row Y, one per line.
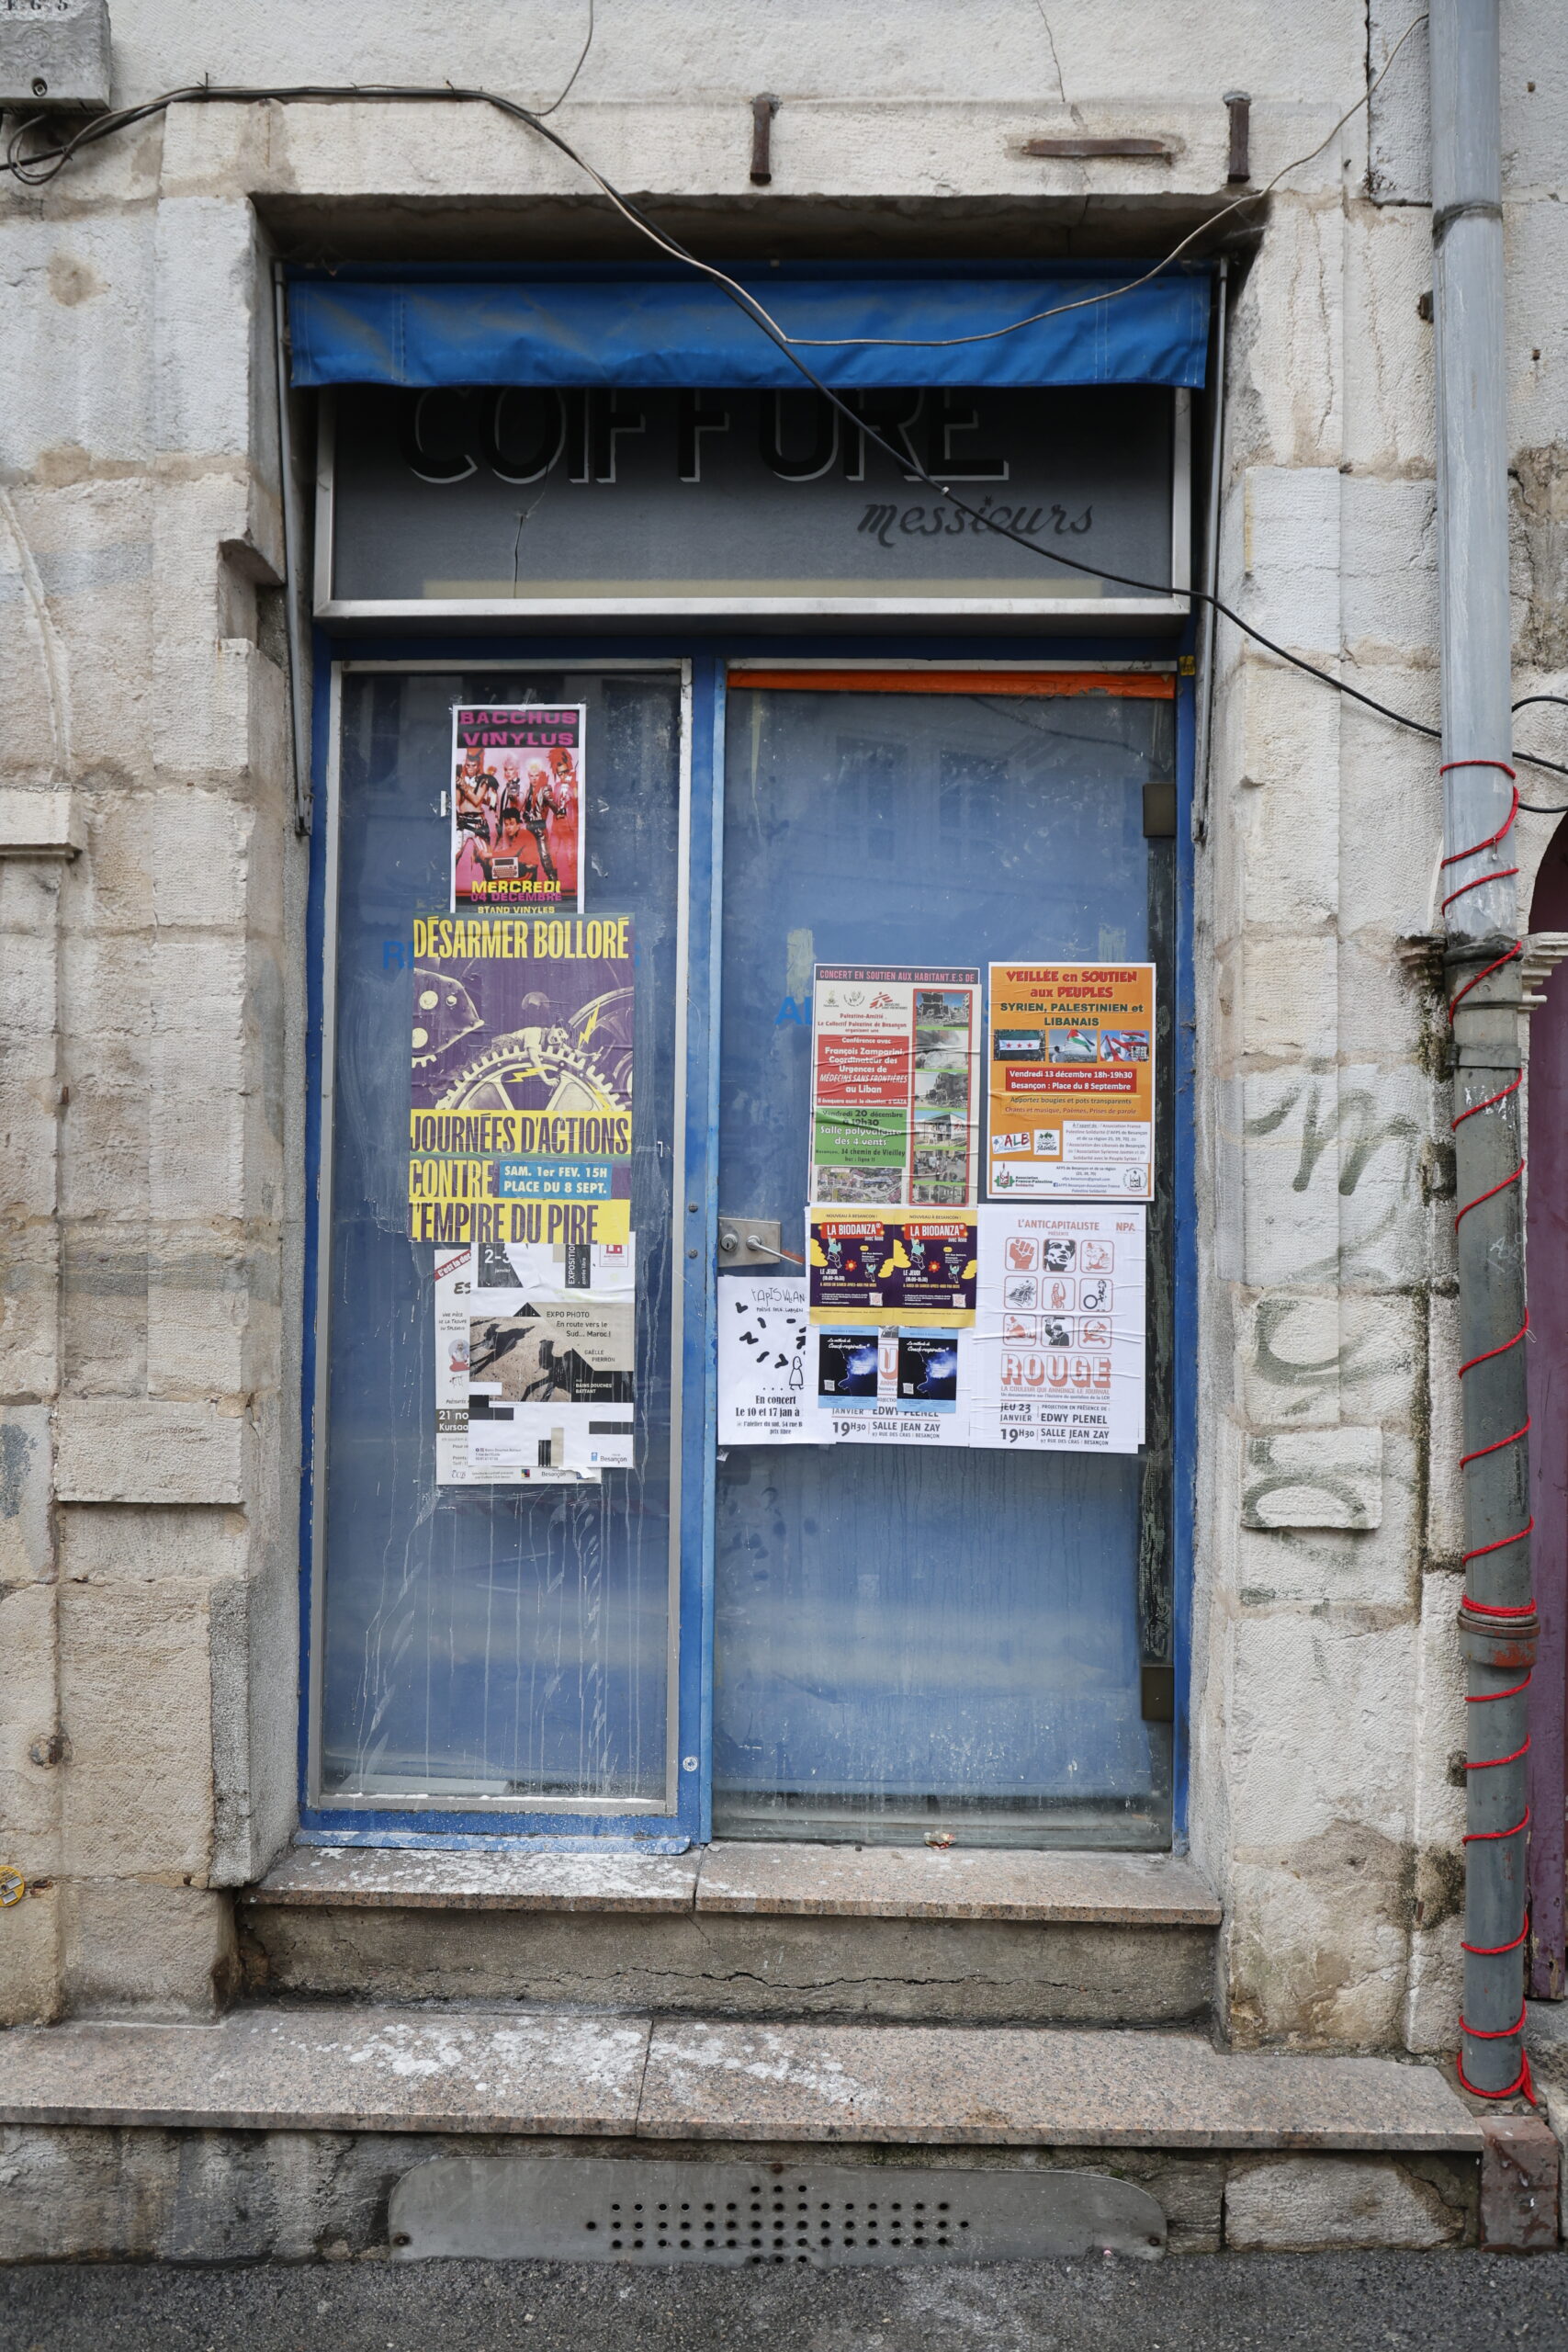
column 151, row 888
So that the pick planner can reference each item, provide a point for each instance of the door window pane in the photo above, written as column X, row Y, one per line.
column 485, row 1644
column 909, row 1638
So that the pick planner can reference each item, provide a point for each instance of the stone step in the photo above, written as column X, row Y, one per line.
column 284, row 2130
column 748, row 1931
column 328, row 2066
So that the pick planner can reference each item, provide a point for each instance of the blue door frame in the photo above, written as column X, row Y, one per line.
column 690, row 1822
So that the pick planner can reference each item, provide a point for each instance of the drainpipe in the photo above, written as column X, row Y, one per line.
column 1482, row 957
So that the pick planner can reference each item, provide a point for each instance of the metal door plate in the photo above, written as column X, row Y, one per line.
column 728, row 2216
column 736, row 1235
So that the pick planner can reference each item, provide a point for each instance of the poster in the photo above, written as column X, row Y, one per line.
column 767, row 1364
column 874, row 1270
column 1056, row 1356
column 522, row 1043
column 552, row 1356
column 893, row 1387
column 516, row 808
column 454, row 1283
column 1072, row 1077
column 894, row 1092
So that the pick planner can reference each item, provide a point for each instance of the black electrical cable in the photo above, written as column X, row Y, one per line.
column 571, row 79
column 1523, row 704
column 39, row 169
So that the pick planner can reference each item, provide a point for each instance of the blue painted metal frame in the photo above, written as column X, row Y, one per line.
column 692, row 1820
column 1184, row 1416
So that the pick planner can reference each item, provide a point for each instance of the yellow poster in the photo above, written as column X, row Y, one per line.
column 1072, row 1081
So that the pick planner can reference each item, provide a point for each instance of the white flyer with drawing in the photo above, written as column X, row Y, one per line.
column 767, row 1363
column 1056, row 1359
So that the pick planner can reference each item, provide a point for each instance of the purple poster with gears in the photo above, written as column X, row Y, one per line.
column 519, row 1127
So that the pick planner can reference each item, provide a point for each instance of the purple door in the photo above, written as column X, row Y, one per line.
column 1547, row 1260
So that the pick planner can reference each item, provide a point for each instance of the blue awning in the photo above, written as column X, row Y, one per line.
column 882, row 326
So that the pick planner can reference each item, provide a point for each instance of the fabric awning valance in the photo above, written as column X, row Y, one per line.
column 871, row 327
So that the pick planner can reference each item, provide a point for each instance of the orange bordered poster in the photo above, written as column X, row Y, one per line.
column 1071, row 1086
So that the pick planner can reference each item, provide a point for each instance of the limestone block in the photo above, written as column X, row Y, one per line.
column 1278, row 1124
column 1286, row 798
column 1317, row 1947
column 1445, row 1485
column 1389, row 552
column 1330, row 1477
column 1295, row 2204
column 1337, row 1568
column 1437, row 1964
column 1291, row 551
column 101, row 1542
column 135, row 1945
column 1289, row 988
column 1434, row 1993
column 28, row 1790
column 90, row 548
column 1386, row 1012
column 1399, row 131
column 1318, row 1711
column 29, row 1974
column 29, row 1011
column 127, row 1450
column 1390, row 419
column 198, row 1318
column 1382, row 1365
column 29, row 1103
column 83, row 2194
column 34, row 688
column 206, row 280
column 1536, row 247
column 1286, row 385
column 115, row 885
column 30, row 1363
column 26, row 1551
column 40, row 823
column 109, row 984
column 204, row 725
column 1384, row 1138
column 104, row 1310
column 105, row 1142
column 135, row 1679
column 74, row 366
column 193, row 848
column 1293, row 1357
column 196, row 1145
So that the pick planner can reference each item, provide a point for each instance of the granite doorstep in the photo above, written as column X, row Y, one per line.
column 334, row 2068
column 1017, row 2086
column 807, row 1880
column 430, row 1879
column 916, row 1882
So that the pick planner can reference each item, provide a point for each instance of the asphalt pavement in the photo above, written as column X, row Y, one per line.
column 1343, row 2303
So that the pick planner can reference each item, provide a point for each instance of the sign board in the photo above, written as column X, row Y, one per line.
column 602, row 502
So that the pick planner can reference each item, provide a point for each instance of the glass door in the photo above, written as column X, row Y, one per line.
column 912, row 1640
column 511, row 1647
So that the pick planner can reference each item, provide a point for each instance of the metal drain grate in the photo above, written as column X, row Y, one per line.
column 589, row 2209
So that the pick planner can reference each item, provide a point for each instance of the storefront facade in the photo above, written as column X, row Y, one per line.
column 472, row 718
column 795, row 1632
